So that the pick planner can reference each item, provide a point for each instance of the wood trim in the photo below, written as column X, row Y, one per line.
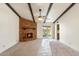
column 12, row 9
column 29, row 5
column 49, row 8
column 65, row 11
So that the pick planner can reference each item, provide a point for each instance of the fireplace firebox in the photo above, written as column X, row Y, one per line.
column 29, row 35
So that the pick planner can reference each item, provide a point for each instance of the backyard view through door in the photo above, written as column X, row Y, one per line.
column 47, row 32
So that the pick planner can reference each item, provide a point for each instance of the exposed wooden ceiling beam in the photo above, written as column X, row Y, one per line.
column 12, row 9
column 65, row 11
column 49, row 8
column 29, row 5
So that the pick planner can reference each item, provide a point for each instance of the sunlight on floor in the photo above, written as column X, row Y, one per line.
column 45, row 48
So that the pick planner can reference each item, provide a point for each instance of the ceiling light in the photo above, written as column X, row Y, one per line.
column 40, row 17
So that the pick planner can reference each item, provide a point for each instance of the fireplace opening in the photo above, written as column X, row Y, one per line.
column 29, row 35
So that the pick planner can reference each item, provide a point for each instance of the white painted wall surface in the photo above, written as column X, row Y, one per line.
column 39, row 30
column 55, row 30
column 69, row 28
column 9, row 28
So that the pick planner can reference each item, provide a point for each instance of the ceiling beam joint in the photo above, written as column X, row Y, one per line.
column 65, row 11
column 29, row 5
column 12, row 9
column 49, row 8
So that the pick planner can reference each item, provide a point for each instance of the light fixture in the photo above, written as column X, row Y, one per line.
column 40, row 17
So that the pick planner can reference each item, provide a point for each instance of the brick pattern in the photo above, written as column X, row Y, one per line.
column 27, row 26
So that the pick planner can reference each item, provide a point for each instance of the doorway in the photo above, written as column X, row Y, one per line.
column 58, row 31
column 47, row 32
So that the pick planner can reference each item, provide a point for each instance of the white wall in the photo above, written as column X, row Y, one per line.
column 55, row 29
column 69, row 28
column 9, row 28
column 40, row 29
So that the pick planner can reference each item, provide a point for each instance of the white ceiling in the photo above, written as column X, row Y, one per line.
column 37, row 6
column 56, row 10
column 22, row 9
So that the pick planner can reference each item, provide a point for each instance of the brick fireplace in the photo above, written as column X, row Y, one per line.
column 28, row 30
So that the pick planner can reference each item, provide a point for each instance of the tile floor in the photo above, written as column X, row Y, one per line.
column 39, row 47
column 60, row 49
